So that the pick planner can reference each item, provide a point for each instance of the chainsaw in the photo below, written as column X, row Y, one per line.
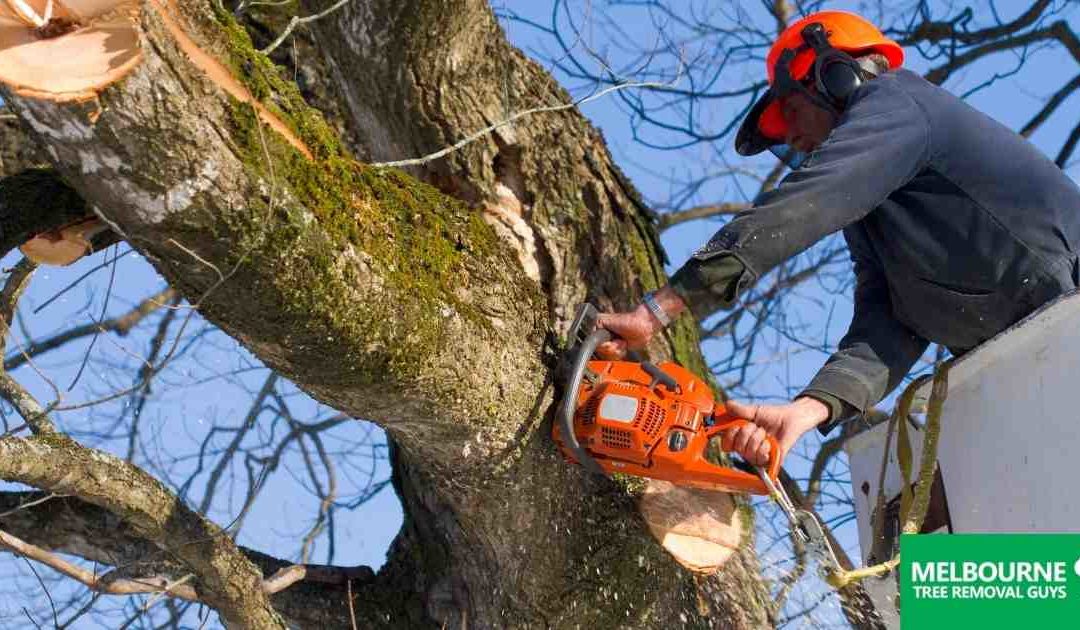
column 656, row 421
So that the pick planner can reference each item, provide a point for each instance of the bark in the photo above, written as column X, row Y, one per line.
column 435, row 312
column 17, row 151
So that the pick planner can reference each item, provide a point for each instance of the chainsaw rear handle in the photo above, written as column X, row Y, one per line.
column 772, row 468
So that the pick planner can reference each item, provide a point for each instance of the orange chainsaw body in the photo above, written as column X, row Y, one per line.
column 631, row 424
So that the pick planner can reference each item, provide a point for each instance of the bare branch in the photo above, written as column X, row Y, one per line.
column 938, row 31
column 299, row 21
column 671, row 219
column 1057, row 99
column 473, row 137
column 1066, row 152
column 100, row 583
column 230, row 582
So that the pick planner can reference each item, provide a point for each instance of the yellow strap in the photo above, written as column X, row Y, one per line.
column 912, row 508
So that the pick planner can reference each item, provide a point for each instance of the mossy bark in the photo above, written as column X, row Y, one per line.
column 405, row 298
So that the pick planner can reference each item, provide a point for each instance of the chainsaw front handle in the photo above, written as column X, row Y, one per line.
column 570, row 400
column 772, row 468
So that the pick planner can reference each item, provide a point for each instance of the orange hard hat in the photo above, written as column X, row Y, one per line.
column 847, row 32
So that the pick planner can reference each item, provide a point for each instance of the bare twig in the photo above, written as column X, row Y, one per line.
column 473, row 137
column 121, row 325
column 16, row 284
column 352, row 611
column 298, row 21
column 671, row 219
column 90, row 579
column 179, row 588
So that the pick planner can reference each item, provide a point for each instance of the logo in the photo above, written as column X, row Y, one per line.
column 988, row 581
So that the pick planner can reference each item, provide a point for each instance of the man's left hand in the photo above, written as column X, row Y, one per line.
column 787, row 423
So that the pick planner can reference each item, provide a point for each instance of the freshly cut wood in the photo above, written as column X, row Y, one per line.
column 701, row 529
column 67, row 51
column 65, row 244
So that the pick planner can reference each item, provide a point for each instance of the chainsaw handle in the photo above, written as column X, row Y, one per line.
column 569, row 403
column 773, row 467
column 660, row 376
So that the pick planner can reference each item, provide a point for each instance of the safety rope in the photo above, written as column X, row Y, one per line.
column 913, row 507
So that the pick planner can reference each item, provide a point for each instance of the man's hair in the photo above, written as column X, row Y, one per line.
column 874, row 63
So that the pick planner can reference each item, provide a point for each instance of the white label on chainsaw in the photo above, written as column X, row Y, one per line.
column 618, row 408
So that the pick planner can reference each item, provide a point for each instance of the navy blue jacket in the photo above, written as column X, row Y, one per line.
column 957, row 227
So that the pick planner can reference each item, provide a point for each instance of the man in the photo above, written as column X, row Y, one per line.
column 957, row 226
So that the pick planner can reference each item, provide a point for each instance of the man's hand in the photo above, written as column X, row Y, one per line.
column 786, row 423
column 634, row 329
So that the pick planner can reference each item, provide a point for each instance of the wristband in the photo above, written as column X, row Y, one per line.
column 649, row 300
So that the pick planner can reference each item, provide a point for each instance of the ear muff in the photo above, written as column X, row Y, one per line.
column 837, row 76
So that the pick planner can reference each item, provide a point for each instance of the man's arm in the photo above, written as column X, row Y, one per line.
column 877, row 351
column 880, row 143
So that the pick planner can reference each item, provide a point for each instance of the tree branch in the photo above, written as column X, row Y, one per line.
column 72, row 526
column 120, row 325
column 229, row 581
column 938, row 31
column 1067, row 150
column 1058, row 30
column 671, row 219
column 1052, row 104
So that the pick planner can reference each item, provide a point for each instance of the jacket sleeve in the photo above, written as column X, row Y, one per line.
column 877, row 351
column 879, row 144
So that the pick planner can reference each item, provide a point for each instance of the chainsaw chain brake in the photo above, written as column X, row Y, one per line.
column 806, row 526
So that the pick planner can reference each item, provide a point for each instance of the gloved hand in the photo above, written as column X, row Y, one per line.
column 787, row 423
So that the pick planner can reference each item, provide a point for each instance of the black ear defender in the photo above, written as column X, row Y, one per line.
column 836, row 74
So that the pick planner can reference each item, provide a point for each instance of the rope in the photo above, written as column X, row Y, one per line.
column 913, row 508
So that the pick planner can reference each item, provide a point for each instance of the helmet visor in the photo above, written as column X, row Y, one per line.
column 763, row 126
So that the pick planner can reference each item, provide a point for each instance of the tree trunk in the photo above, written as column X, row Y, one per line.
column 434, row 311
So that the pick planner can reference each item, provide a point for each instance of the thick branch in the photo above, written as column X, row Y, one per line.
column 228, row 581
column 389, row 300
column 71, row 526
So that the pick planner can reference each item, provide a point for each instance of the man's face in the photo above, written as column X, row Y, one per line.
column 808, row 124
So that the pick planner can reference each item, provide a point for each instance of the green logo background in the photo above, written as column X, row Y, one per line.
column 949, row 612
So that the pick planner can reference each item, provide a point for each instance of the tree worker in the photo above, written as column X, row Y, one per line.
column 957, row 226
